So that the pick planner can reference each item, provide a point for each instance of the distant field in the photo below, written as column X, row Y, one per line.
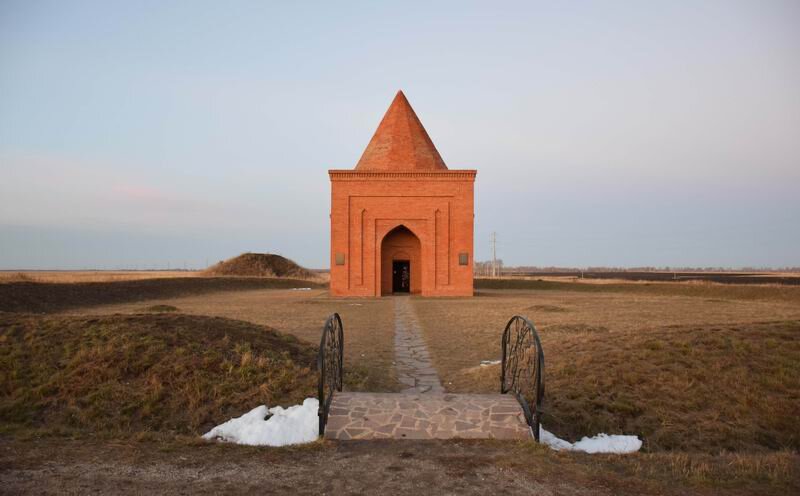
column 699, row 289
column 70, row 276
column 790, row 278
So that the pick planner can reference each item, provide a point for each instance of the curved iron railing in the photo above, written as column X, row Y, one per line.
column 522, row 369
column 329, row 364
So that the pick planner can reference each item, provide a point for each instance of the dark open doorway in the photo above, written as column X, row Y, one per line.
column 401, row 276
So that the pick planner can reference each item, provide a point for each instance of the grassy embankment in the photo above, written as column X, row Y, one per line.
column 143, row 375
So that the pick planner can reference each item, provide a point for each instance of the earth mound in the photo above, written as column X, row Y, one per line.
column 260, row 265
column 148, row 374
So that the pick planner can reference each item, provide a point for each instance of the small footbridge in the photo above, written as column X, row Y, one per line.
column 513, row 413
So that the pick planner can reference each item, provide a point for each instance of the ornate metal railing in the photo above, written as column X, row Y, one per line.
column 329, row 364
column 522, row 369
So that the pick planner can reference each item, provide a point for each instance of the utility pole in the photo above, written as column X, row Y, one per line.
column 494, row 254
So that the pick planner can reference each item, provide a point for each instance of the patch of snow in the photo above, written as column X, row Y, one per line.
column 554, row 442
column 601, row 443
column 301, row 289
column 486, row 363
column 277, row 426
column 604, row 443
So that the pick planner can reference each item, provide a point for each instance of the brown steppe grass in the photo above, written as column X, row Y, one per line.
column 686, row 373
column 143, row 375
column 707, row 374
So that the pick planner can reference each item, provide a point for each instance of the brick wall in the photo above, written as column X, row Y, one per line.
column 436, row 206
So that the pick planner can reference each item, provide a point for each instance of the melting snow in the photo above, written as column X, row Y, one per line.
column 294, row 425
column 301, row 289
column 601, row 443
column 486, row 363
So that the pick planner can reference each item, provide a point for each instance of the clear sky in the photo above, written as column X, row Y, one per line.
column 146, row 134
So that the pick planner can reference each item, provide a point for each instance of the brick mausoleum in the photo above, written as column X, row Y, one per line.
column 401, row 221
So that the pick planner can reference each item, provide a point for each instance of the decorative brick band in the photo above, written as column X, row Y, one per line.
column 448, row 175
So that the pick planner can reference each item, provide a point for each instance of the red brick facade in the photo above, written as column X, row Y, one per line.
column 401, row 205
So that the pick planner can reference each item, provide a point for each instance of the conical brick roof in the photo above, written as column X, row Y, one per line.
column 400, row 143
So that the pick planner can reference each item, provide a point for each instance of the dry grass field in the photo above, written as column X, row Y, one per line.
column 706, row 374
column 715, row 371
column 73, row 276
column 701, row 372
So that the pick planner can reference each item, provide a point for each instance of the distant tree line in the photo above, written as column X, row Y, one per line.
column 534, row 269
column 484, row 269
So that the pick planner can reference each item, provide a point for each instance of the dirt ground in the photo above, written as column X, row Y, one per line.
column 347, row 468
column 369, row 467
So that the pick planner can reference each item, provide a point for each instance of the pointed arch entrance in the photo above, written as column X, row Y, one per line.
column 401, row 262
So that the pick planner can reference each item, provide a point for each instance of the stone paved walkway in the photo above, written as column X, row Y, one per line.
column 423, row 410
column 412, row 361
column 425, row 416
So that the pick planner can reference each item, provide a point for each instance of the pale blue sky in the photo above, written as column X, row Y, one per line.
column 141, row 134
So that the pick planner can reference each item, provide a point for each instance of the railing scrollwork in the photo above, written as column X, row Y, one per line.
column 329, row 364
column 522, row 369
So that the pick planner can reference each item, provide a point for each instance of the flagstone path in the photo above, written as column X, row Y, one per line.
column 425, row 416
column 412, row 361
column 423, row 410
